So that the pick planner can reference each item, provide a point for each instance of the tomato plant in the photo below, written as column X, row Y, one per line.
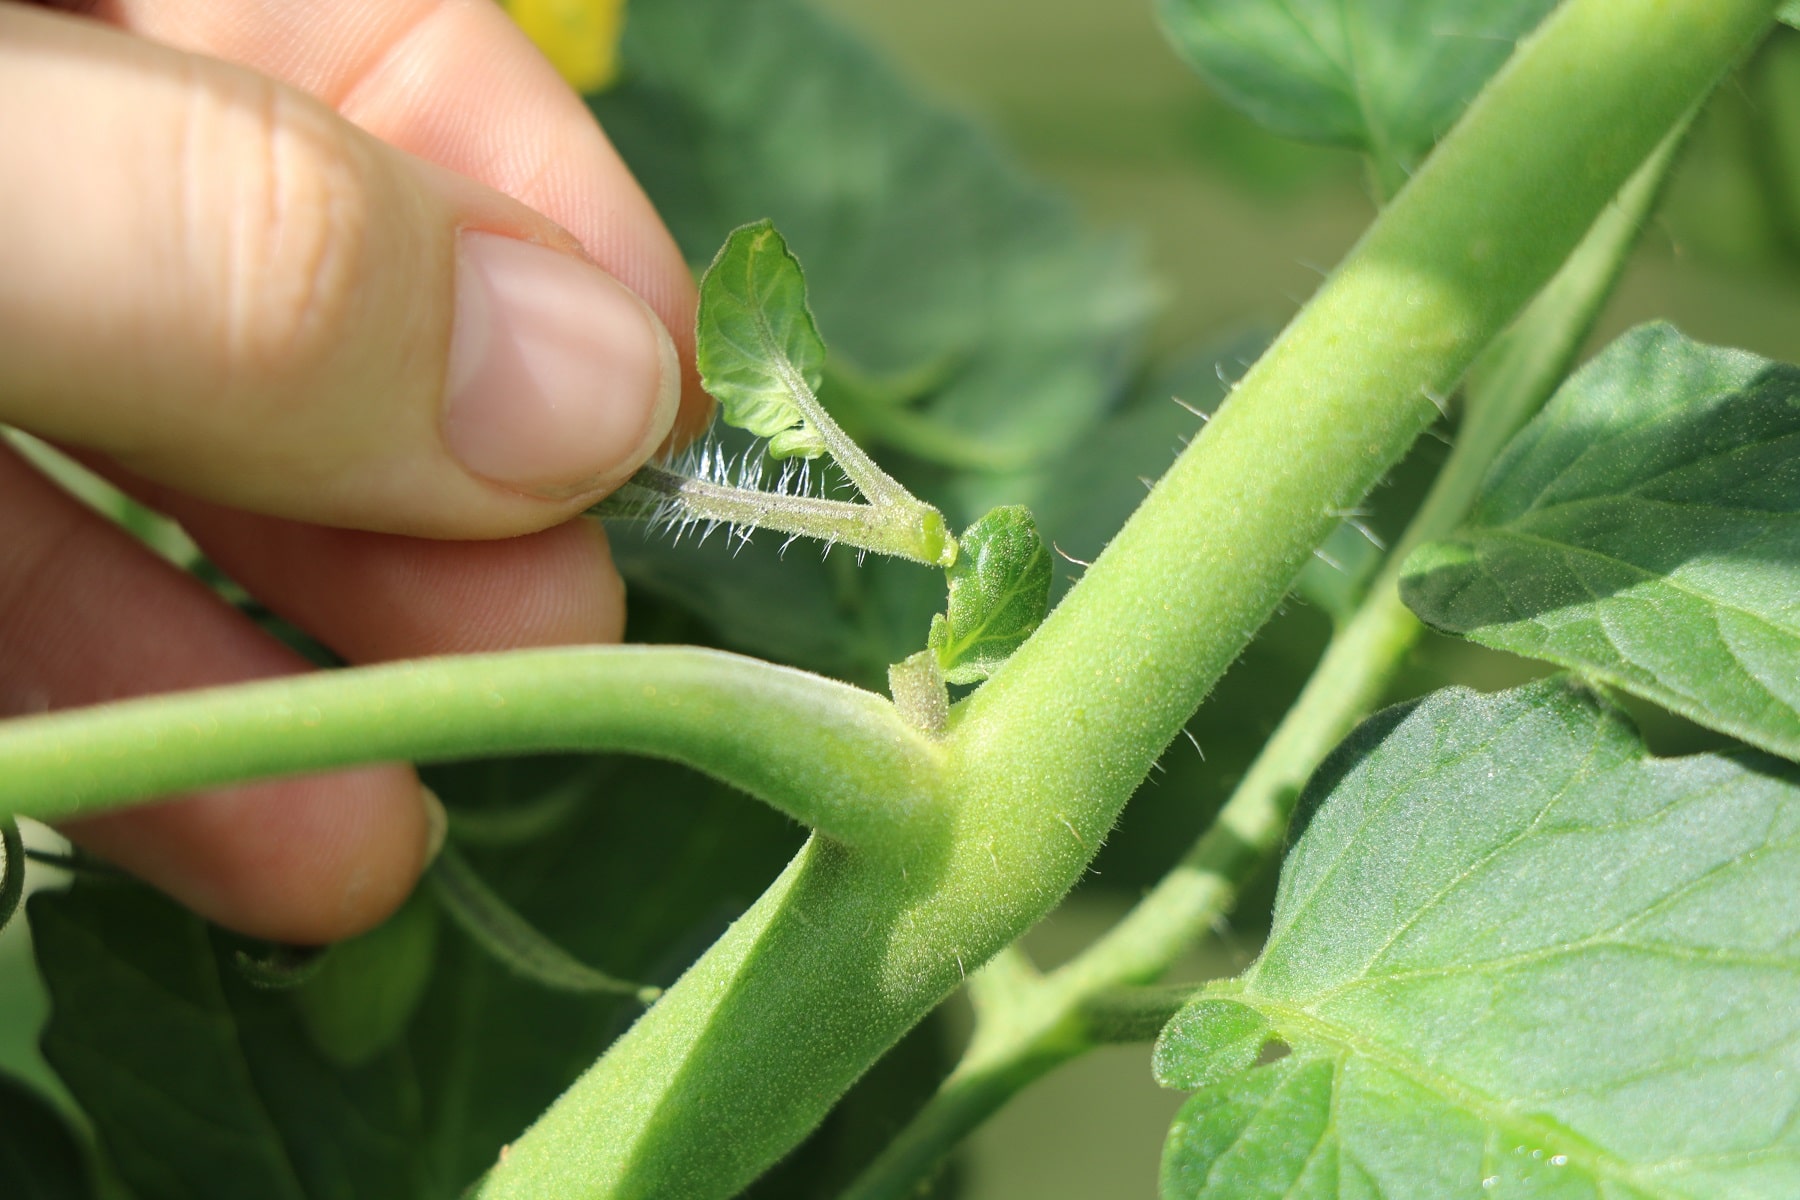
column 1510, row 952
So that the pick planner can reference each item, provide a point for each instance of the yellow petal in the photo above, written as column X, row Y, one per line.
column 579, row 37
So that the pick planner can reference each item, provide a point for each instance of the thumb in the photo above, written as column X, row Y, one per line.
column 224, row 286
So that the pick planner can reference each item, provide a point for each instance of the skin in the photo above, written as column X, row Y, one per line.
column 269, row 419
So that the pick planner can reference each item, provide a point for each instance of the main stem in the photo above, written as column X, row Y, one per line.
column 1042, row 1022
column 712, row 1085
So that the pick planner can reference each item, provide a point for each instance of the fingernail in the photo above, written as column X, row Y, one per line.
column 437, row 824
column 560, row 378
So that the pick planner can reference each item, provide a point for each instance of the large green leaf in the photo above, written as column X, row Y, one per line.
column 1512, row 956
column 40, row 1156
column 1384, row 76
column 1645, row 529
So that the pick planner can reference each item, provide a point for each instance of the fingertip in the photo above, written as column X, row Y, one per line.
column 304, row 861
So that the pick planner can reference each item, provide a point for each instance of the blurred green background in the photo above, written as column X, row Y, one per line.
column 1239, row 227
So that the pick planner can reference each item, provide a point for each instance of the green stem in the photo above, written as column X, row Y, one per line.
column 1018, row 1042
column 712, row 1084
column 907, row 528
column 805, row 745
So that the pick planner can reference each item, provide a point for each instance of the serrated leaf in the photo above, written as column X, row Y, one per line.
column 40, row 1156
column 999, row 593
column 1387, row 77
column 1645, row 529
column 1514, row 955
column 757, row 345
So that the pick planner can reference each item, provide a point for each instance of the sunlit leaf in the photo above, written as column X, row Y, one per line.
column 1645, row 529
column 1512, row 955
column 1387, row 77
column 759, row 349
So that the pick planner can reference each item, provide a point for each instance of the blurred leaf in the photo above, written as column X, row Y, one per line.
column 927, row 252
column 757, row 342
column 999, row 592
column 1645, row 529
column 40, row 1156
column 1790, row 12
column 503, row 933
column 1387, row 77
column 579, row 37
column 641, row 876
column 1514, row 955
column 197, row 1084
column 366, row 990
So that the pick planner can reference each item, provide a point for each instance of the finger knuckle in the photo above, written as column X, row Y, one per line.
column 285, row 278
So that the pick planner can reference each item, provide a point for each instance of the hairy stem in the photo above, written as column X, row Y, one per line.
column 1510, row 381
column 805, row 745
column 907, row 528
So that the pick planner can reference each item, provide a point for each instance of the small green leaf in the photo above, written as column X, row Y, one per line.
column 1790, row 12
column 1645, row 530
column 758, row 348
column 999, row 593
column 1385, row 78
column 1514, row 955
column 40, row 1156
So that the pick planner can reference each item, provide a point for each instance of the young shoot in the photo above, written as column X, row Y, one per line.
column 762, row 357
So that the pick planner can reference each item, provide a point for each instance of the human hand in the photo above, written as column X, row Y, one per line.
column 323, row 334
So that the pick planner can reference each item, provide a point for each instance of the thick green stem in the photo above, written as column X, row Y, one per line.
column 713, row 1084
column 807, row 746
column 1018, row 1042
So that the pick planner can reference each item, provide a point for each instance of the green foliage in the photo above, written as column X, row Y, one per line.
column 999, row 592
column 974, row 318
column 760, row 353
column 40, row 1156
column 198, row 1084
column 1645, row 529
column 493, row 925
column 1512, row 954
column 1383, row 76
column 1474, row 875
column 365, row 991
